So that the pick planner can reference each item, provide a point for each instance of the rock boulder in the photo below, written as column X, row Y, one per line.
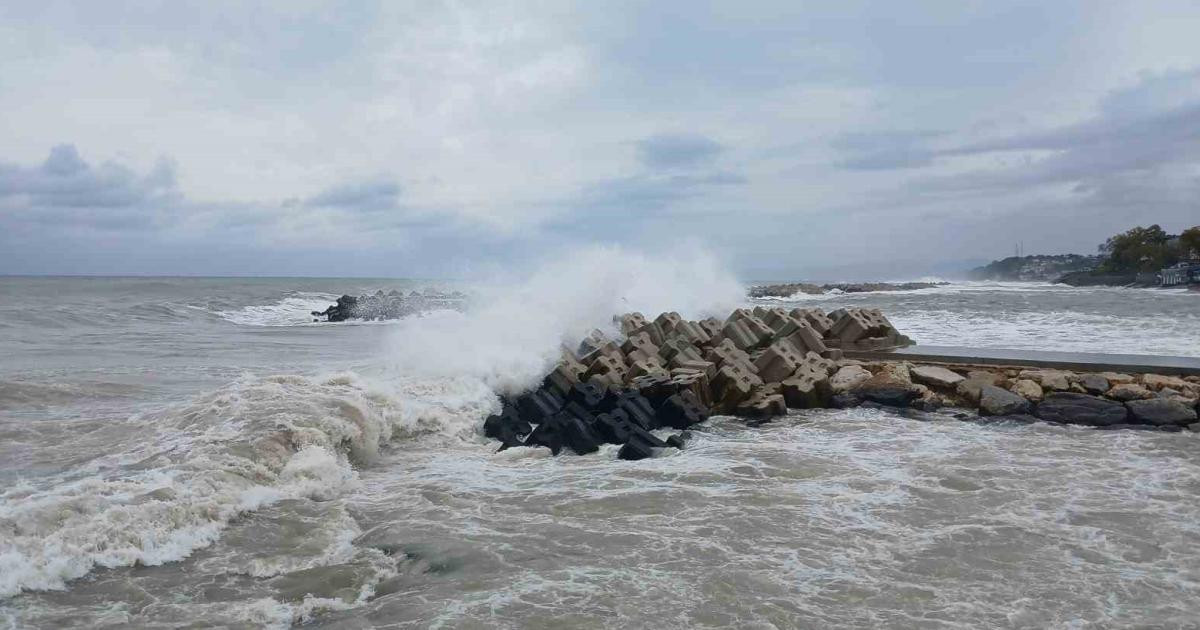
column 994, row 401
column 1094, row 384
column 886, row 388
column 847, row 378
column 1161, row 412
column 935, row 377
column 1128, row 391
column 1155, row 382
column 1071, row 408
column 1028, row 389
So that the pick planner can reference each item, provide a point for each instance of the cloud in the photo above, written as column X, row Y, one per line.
column 1145, row 130
column 65, row 189
column 67, row 194
column 368, row 196
column 397, row 136
column 885, row 150
column 673, row 169
column 664, row 151
column 643, row 193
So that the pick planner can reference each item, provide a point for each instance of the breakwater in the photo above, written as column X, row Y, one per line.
column 672, row 373
column 390, row 305
column 808, row 288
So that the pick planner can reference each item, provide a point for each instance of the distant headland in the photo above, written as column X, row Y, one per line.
column 1141, row 256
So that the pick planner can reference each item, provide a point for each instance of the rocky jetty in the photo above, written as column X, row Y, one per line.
column 790, row 289
column 670, row 374
column 390, row 305
column 674, row 373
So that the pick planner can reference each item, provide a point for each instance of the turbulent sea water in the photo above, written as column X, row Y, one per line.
column 197, row 452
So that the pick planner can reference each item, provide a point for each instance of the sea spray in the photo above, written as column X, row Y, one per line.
column 513, row 331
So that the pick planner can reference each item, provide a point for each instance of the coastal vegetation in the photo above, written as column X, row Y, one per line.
column 1124, row 258
column 1146, row 249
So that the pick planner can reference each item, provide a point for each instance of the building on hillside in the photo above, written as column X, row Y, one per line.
column 1180, row 274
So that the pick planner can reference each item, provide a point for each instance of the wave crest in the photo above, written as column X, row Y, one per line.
column 243, row 447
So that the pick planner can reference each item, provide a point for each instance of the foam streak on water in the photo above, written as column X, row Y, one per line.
column 826, row 519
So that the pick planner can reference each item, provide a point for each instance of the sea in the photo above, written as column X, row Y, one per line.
column 198, row 452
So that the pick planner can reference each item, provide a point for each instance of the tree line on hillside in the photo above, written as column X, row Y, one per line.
column 1140, row 249
column 1148, row 249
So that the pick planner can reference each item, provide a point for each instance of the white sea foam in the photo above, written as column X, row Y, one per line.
column 514, row 331
column 262, row 440
column 294, row 310
column 985, row 286
column 1172, row 334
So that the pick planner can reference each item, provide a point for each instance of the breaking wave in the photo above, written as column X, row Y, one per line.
column 295, row 310
column 265, row 440
column 246, row 446
column 515, row 331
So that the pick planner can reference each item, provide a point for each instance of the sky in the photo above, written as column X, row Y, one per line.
column 796, row 140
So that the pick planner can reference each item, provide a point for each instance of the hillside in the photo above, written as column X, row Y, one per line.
column 1044, row 268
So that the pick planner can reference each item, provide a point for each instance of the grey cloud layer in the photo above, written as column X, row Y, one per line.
column 384, row 138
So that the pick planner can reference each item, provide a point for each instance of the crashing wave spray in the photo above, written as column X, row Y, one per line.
column 513, row 332
column 262, row 440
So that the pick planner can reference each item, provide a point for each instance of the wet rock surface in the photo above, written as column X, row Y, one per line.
column 1161, row 411
column 1073, row 408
